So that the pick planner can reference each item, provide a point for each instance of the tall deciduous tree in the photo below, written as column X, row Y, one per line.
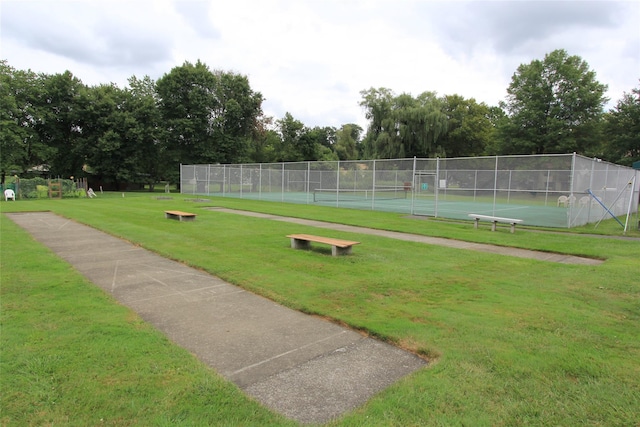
column 265, row 141
column 233, row 121
column 622, row 130
column 469, row 127
column 292, row 148
column 148, row 133
column 58, row 126
column 554, row 106
column 210, row 115
column 17, row 115
column 110, row 131
column 347, row 142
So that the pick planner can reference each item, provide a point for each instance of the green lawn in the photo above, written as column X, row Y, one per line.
column 511, row 341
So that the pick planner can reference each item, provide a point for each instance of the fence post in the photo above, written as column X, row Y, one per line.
column 495, row 186
column 436, row 188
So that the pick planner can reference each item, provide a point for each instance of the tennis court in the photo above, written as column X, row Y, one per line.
column 452, row 209
column 547, row 190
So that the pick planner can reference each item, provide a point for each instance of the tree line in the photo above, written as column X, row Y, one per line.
column 195, row 115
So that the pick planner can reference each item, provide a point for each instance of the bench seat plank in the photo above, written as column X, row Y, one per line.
column 338, row 246
column 494, row 220
column 180, row 216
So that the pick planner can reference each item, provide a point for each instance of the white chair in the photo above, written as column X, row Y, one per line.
column 584, row 200
column 563, row 200
column 9, row 194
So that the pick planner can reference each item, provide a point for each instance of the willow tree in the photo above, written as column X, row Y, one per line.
column 377, row 104
column 420, row 123
column 402, row 126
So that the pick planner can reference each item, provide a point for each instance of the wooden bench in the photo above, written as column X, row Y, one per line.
column 495, row 220
column 338, row 247
column 180, row 216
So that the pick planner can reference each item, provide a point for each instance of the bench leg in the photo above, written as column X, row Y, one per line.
column 476, row 223
column 513, row 227
column 493, row 225
column 335, row 250
column 300, row 244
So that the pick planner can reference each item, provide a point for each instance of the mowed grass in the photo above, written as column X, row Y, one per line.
column 511, row 341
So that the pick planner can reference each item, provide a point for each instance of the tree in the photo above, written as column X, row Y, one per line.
column 402, row 126
column 186, row 105
column 317, row 143
column 622, row 130
column 420, row 123
column 292, row 148
column 210, row 116
column 234, row 119
column 469, row 127
column 265, row 141
column 554, row 106
column 347, row 142
column 148, row 133
column 110, row 132
column 16, row 115
column 377, row 104
column 498, row 119
column 58, row 122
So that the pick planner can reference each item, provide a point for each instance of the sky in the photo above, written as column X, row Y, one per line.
column 312, row 58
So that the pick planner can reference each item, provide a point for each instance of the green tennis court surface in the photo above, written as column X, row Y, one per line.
column 532, row 212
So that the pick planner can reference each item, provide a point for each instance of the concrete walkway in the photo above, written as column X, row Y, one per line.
column 303, row 367
column 458, row 244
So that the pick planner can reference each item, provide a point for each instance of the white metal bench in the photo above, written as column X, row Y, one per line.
column 180, row 216
column 338, row 247
column 494, row 220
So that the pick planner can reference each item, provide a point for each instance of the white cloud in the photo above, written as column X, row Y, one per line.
column 312, row 58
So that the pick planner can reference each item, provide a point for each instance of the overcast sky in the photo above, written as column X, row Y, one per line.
column 313, row 57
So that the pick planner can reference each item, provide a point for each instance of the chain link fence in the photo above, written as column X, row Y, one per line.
column 545, row 190
column 43, row 188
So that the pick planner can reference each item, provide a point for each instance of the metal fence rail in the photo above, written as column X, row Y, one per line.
column 545, row 190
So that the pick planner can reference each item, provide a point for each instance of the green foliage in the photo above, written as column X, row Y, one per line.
column 58, row 124
column 210, row 116
column 266, row 142
column 299, row 143
column 38, row 188
column 554, row 106
column 622, row 130
column 20, row 145
column 402, row 126
column 195, row 115
column 470, row 130
column 347, row 142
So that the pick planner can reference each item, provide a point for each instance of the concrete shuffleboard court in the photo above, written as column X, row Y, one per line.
column 303, row 367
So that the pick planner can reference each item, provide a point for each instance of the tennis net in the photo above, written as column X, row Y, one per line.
column 337, row 194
